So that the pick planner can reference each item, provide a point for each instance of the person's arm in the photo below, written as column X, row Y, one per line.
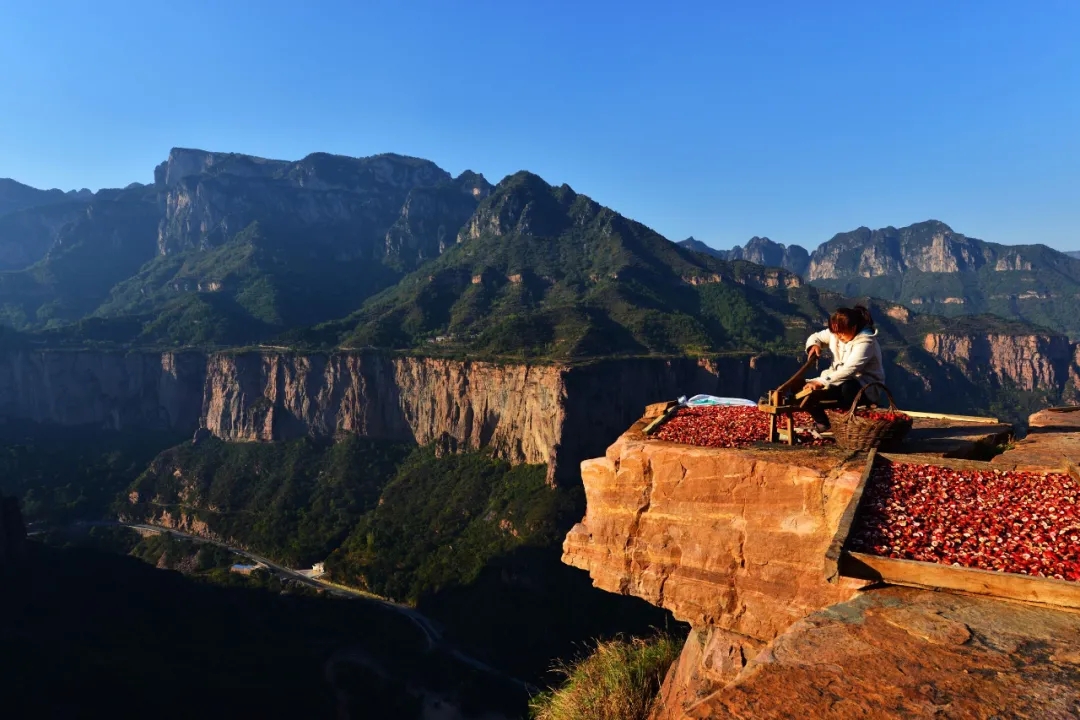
column 818, row 340
column 858, row 356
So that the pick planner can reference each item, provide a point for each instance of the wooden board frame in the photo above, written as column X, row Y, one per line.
column 836, row 547
column 972, row 581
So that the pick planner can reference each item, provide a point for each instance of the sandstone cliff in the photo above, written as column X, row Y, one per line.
column 1027, row 362
column 744, row 545
column 557, row 414
column 516, row 410
column 733, row 542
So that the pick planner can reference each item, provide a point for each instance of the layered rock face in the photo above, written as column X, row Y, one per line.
column 516, row 410
column 1028, row 362
column 732, row 541
column 929, row 247
column 555, row 414
column 381, row 207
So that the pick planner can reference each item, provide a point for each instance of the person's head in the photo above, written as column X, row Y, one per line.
column 846, row 323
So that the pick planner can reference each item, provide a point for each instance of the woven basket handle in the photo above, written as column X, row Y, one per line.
column 858, row 397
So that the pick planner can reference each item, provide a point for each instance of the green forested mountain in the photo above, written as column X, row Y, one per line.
column 225, row 249
column 545, row 272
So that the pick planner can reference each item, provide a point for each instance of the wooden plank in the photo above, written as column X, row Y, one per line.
column 1010, row 586
column 947, row 416
column 655, row 424
column 832, row 555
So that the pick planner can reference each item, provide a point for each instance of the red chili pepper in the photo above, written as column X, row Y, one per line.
column 1005, row 521
column 726, row 427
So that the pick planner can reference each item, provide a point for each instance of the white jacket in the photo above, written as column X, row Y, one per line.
column 859, row 359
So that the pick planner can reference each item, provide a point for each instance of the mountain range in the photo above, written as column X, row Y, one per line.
column 226, row 250
column 931, row 268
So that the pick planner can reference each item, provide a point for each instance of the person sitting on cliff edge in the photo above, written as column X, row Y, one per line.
column 852, row 341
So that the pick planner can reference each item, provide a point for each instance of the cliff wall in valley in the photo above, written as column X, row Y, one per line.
column 1027, row 362
column 554, row 414
column 114, row 390
column 515, row 409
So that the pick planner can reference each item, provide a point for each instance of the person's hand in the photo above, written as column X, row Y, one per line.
column 813, row 352
column 815, row 384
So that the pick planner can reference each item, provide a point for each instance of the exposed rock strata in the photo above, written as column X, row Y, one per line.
column 929, row 247
column 738, row 543
column 1028, row 362
column 555, row 414
column 732, row 541
column 516, row 410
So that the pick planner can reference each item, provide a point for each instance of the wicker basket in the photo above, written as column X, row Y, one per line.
column 858, row 433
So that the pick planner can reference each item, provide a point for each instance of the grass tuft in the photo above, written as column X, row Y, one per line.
column 619, row 680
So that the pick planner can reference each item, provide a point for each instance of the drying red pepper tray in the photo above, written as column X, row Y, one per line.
column 969, row 526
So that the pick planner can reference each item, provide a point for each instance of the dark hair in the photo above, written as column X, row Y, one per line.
column 851, row 320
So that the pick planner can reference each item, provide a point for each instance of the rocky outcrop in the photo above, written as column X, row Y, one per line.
column 759, row 250
column 929, row 247
column 516, row 410
column 746, row 546
column 1026, row 362
column 763, row 251
column 363, row 207
column 732, row 541
column 899, row 652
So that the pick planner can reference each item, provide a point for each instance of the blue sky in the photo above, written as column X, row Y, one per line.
column 723, row 120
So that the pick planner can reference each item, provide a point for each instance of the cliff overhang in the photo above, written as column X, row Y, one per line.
column 747, row 545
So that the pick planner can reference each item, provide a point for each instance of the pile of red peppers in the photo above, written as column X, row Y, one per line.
column 1006, row 521
column 726, row 427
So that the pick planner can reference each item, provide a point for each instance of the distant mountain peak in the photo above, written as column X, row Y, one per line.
column 15, row 196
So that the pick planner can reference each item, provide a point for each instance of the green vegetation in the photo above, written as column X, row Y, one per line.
column 553, row 275
column 440, row 521
column 470, row 539
column 61, row 475
column 386, row 517
column 296, row 501
column 619, row 680
column 250, row 288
